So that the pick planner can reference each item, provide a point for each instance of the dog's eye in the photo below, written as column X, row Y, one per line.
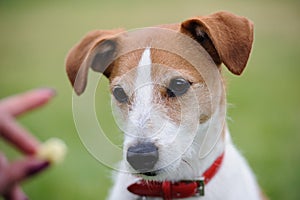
column 178, row 87
column 120, row 94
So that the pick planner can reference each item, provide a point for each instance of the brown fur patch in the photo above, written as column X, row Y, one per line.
column 124, row 73
column 230, row 35
column 78, row 53
column 125, row 63
column 167, row 66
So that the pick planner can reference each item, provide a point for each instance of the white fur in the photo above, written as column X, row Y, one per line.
column 141, row 110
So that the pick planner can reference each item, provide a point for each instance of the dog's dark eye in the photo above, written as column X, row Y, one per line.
column 178, row 87
column 120, row 94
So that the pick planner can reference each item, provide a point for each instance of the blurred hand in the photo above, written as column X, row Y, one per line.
column 11, row 174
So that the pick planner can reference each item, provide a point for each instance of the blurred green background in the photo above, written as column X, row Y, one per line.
column 35, row 37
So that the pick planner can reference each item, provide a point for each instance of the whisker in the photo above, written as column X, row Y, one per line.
column 189, row 165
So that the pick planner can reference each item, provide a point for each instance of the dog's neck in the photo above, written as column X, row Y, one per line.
column 208, row 145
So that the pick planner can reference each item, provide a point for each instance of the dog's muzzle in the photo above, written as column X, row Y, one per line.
column 142, row 156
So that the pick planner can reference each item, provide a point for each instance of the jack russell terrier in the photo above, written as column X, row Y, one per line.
column 168, row 93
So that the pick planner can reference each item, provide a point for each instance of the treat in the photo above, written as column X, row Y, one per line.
column 53, row 150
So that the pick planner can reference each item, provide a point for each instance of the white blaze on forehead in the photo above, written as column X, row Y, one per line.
column 143, row 91
column 144, row 68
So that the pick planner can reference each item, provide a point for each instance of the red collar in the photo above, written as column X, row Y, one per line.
column 172, row 190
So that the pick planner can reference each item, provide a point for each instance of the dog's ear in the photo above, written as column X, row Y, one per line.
column 226, row 37
column 97, row 50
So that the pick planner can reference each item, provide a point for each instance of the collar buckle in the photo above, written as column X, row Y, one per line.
column 200, row 188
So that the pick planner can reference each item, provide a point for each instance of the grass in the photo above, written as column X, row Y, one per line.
column 35, row 37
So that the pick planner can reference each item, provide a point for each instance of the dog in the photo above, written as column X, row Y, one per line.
column 172, row 107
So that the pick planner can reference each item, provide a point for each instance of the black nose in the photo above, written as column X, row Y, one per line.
column 142, row 156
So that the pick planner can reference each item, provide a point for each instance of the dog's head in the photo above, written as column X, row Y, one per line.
column 162, row 99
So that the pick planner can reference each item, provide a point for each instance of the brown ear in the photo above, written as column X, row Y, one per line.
column 226, row 37
column 96, row 50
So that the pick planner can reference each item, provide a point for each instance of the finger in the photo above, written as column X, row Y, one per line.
column 16, row 193
column 3, row 162
column 18, row 136
column 3, row 176
column 21, row 103
column 23, row 169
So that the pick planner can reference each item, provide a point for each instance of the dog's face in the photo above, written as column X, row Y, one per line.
column 162, row 100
